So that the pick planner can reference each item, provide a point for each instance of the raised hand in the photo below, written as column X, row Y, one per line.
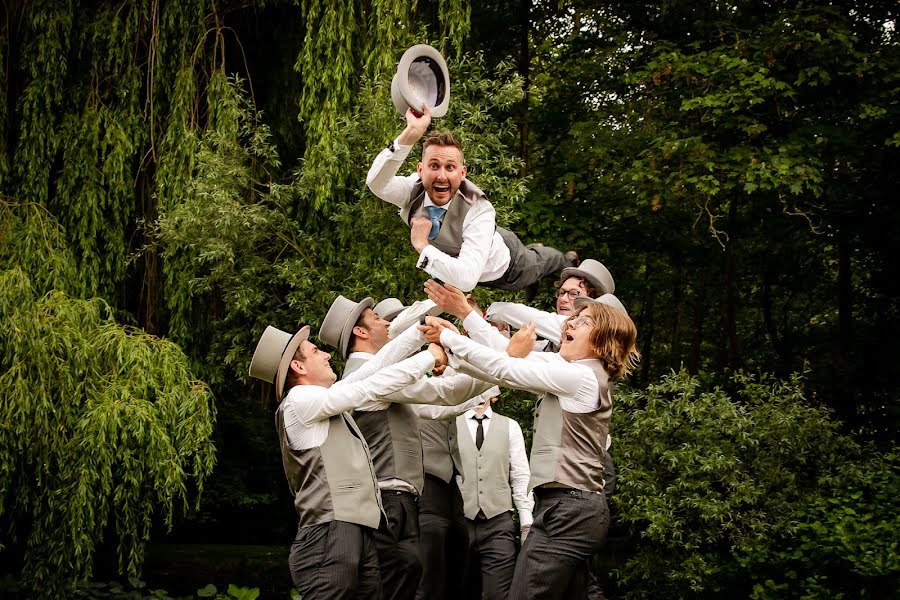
column 522, row 342
column 416, row 124
column 440, row 357
column 451, row 300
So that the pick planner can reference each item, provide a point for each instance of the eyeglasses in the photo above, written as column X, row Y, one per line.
column 581, row 321
column 572, row 294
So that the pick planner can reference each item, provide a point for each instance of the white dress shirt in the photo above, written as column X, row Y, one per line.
column 547, row 325
column 519, row 473
column 446, row 390
column 308, row 407
column 485, row 333
column 574, row 383
column 483, row 256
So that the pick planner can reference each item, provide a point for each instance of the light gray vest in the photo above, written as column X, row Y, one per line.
column 568, row 448
column 393, row 438
column 441, row 448
column 449, row 238
column 334, row 481
column 486, row 483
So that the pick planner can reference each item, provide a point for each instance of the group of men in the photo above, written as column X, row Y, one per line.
column 404, row 479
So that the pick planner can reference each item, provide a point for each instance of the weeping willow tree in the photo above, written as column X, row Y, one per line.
column 104, row 427
column 140, row 185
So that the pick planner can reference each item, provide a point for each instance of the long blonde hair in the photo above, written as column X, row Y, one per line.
column 613, row 339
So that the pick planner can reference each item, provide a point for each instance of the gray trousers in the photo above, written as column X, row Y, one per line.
column 442, row 540
column 527, row 265
column 569, row 527
column 492, row 557
column 397, row 541
column 335, row 560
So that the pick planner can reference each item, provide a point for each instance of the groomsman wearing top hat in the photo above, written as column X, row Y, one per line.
column 389, row 424
column 453, row 224
column 495, row 469
column 443, row 542
column 326, row 459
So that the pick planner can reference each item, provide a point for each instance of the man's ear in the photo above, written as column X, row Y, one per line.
column 360, row 332
column 463, row 170
column 419, row 168
column 298, row 367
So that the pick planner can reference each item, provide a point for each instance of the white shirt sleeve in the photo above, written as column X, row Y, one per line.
column 484, row 333
column 465, row 270
column 574, row 384
column 314, row 403
column 430, row 411
column 519, row 474
column 382, row 177
column 444, row 391
column 395, row 350
column 547, row 325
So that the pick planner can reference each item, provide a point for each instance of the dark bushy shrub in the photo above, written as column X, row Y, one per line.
column 753, row 493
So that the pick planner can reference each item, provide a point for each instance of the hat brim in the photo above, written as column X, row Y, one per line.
column 404, row 96
column 286, row 359
column 606, row 299
column 595, row 281
column 390, row 316
column 410, row 316
column 350, row 322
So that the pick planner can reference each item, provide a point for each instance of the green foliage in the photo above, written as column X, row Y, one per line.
column 103, row 428
column 749, row 492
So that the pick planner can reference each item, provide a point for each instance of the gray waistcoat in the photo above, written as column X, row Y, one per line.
column 440, row 445
column 486, row 484
column 334, row 481
column 393, row 438
column 568, row 448
column 449, row 238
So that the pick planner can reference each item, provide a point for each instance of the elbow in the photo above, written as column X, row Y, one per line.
column 465, row 284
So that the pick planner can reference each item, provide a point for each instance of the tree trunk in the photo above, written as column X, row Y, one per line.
column 646, row 321
column 525, row 70
column 675, row 312
column 845, row 330
column 735, row 360
column 697, row 324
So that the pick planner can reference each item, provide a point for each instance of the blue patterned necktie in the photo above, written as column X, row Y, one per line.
column 435, row 213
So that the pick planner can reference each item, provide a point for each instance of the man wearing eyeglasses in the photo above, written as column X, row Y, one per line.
column 590, row 279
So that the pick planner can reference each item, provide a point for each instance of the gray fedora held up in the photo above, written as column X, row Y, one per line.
column 422, row 76
column 594, row 271
column 273, row 356
column 338, row 323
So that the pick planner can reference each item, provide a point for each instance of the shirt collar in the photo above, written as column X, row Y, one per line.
column 365, row 355
column 489, row 413
column 428, row 202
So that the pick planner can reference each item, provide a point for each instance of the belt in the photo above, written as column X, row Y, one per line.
column 400, row 493
column 555, row 492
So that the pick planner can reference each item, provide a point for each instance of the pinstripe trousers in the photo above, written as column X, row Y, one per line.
column 335, row 560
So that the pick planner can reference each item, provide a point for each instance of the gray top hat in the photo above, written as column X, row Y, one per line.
column 389, row 308
column 273, row 356
column 337, row 327
column 607, row 299
column 421, row 76
column 594, row 271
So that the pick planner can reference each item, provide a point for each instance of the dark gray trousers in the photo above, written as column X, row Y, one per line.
column 527, row 265
column 442, row 540
column 397, row 541
column 492, row 557
column 335, row 560
column 569, row 527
